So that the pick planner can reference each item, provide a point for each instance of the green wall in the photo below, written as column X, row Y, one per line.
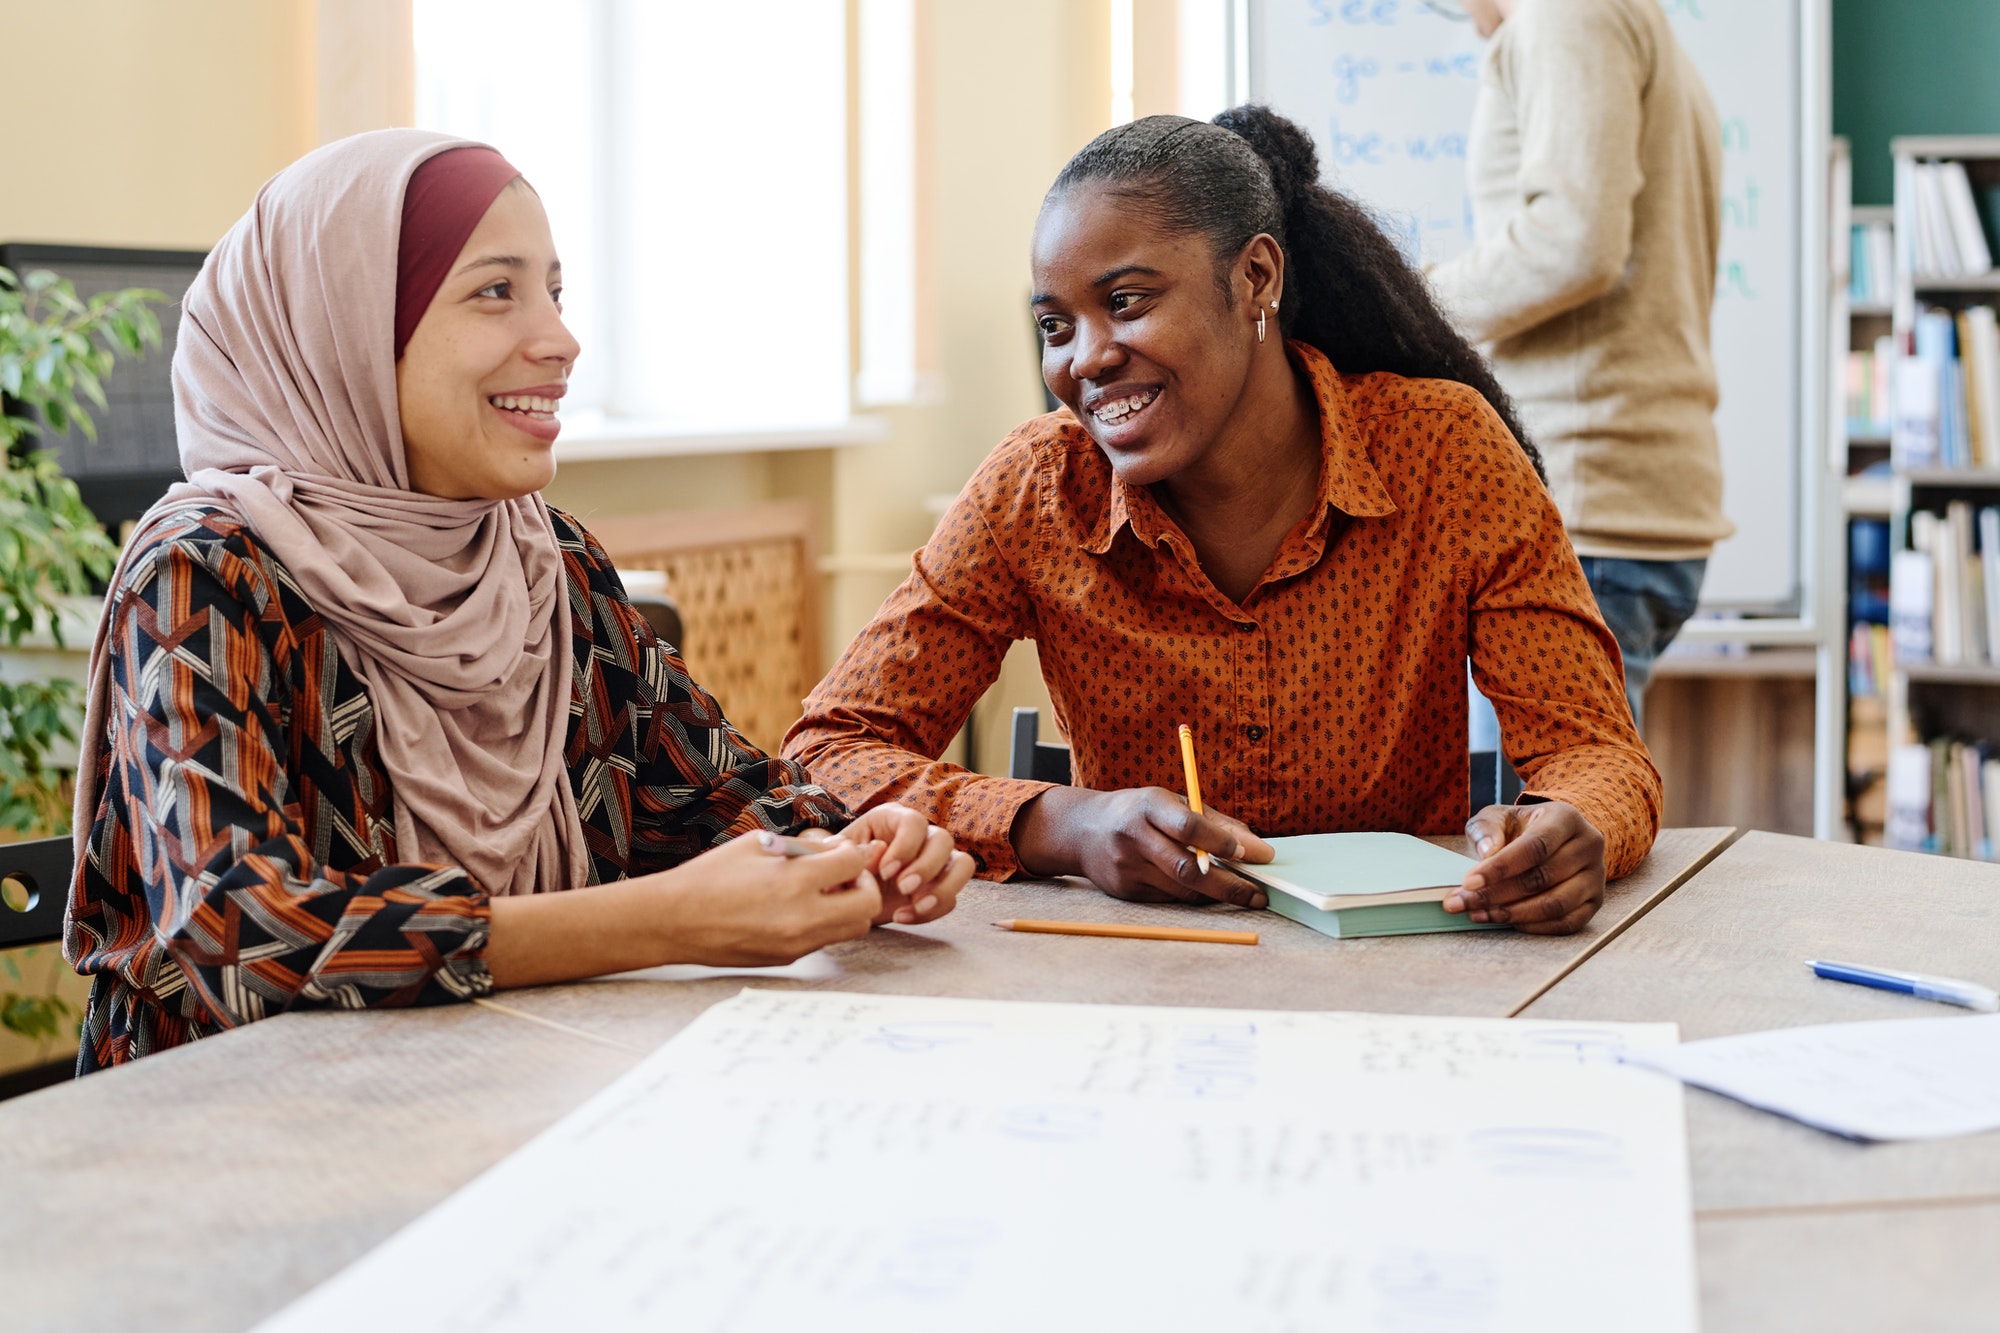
column 1911, row 67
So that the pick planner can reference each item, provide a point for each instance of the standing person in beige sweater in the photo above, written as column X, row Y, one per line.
column 1595, row 163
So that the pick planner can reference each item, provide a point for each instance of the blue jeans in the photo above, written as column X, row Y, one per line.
column 1645, row 602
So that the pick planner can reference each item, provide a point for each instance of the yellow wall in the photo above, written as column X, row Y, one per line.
column 149, row 122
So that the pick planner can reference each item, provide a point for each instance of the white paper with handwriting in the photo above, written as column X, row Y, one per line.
column 1888, row 1079
column 818, row 1160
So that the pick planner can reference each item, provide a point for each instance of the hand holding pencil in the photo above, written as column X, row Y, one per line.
column 1142, row 844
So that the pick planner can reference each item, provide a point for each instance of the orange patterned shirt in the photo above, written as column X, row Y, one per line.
column 1333, row 697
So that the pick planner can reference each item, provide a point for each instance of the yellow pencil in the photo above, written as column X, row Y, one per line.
column 1115, row 930
column 1194, row 785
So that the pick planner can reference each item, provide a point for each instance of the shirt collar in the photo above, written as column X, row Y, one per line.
column 1348, row 480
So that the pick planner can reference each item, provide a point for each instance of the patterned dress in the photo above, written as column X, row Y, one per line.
column 243, row 858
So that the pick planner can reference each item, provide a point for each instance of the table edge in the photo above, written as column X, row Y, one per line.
column 1729, row 839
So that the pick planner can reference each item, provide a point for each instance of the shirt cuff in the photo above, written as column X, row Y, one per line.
column 1627, row 835
column 981, row 815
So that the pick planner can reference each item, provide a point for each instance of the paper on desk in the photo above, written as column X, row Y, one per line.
column 819, row 1160
column 815, row 966
column 1921, row 1078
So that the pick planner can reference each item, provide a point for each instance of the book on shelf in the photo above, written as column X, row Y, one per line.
column 1912, row 598
column 1947, row 239
column 1868, row 388
column 1868, row 661
column 1944, row 592
column 1870, row 259
column 1944, row 797
column 1945, row 406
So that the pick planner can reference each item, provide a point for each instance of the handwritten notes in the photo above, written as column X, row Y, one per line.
column 1922, row 1078
column 826, row 1160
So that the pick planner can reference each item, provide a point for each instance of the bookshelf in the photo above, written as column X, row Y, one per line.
column 1942, row 463
column 1860, row 327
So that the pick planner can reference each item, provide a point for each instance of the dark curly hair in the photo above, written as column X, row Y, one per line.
column 1348, row 291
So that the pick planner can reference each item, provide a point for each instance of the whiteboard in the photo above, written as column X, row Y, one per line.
column 1387, row 86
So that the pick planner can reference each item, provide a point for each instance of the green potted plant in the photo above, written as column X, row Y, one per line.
column 55, row 350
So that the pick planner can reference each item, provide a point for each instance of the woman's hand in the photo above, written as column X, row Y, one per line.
column 1135, row 844
column 1542, row 872
column 746, row 904
column 743, row 904
column 920, row 869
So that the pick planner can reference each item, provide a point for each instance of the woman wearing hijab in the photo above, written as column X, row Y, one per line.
column 362, row 703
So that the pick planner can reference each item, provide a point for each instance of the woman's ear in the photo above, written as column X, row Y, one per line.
column 1260, row 273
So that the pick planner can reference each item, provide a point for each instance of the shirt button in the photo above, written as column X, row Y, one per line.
column 1254, row 733
column 1245, row 626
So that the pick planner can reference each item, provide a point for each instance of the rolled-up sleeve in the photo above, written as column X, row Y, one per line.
column 1542, row 654
column 874, row 728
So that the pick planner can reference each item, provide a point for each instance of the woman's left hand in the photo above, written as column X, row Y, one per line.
column 920, row 869
column 1542, row 870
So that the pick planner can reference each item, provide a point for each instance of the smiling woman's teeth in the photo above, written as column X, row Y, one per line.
column 508, row 402
column 1118, row 409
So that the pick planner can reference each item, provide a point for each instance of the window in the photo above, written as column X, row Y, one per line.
column 693, row 161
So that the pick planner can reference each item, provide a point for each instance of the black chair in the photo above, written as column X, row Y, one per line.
column 1029, row 758
column 663, row 613
column 1494, row 781
column 31, row 904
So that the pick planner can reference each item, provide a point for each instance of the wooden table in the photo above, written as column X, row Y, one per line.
column 1797, row 1228
column 205, row 1187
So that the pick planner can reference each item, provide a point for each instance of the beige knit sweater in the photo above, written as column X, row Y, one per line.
column 1595, row 162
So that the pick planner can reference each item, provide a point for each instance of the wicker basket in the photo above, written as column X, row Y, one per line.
column 747, row 584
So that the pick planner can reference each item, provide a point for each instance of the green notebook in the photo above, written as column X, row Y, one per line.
column 1353, row 884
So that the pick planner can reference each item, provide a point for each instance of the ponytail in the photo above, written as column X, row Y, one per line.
column 1348, row 292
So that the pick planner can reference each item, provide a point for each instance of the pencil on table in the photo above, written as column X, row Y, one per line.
column 1194, row 786
column 1120, row 931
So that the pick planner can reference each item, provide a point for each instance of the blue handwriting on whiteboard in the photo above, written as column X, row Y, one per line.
column 1372, row 149
column 1379, row 13
column 1741, row 210
column 1734, row 280
column 1348, row 71
column 1421, row 148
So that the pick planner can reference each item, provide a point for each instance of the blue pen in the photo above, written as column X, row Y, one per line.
column 1942, row 989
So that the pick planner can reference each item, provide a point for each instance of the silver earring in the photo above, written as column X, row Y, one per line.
column 1260, row 326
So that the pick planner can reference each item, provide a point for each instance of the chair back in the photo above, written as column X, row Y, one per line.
column 1029, row 758
column 36, row 887
column 1494, row 781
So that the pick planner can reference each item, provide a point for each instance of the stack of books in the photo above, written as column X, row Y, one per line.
column 1871, row 254
column 1944, row 593
column 1947, row 394
column 1945, row 797
column 1947, row 240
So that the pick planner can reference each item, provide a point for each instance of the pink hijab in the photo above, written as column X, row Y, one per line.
column 453, row 613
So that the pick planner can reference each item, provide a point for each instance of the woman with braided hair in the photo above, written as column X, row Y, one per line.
column 1283, row 502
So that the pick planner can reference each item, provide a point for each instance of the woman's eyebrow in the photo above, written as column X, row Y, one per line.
column 500, row 261
column 1109, row 275
column 1123, row 271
